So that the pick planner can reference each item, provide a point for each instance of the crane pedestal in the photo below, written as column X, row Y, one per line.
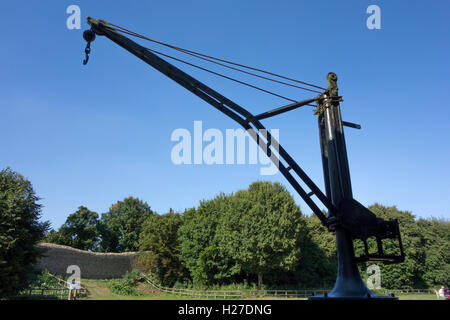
column 349, row 284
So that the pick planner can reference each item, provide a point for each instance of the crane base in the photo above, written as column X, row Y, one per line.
column 367, row 297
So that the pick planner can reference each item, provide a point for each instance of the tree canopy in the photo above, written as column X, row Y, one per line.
column 252, row 232
column 197, row 233
column 20, row 230
column 260, row 232
column 121, row 226
column 254, row 235
column 160, row 248
column 81, row 229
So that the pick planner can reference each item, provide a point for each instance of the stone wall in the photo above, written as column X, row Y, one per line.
column 93, row 265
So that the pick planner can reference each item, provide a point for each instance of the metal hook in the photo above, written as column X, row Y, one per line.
column 89, row 36
column 87, row 51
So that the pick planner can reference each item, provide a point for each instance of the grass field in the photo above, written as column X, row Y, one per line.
column 98, row 290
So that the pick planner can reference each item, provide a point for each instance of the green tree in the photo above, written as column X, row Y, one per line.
column 159, row 240
column 436, row 240
column 317, row 265
column 250, row 234
column 20, row 230
column 81, row 229
column 213, row 266
column 56, row 237
column 121, row 226
column 198, row 230
column 262, row 229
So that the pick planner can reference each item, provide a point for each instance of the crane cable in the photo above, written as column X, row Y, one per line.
column 202, row 56
column 221, row 75
column 208, row 58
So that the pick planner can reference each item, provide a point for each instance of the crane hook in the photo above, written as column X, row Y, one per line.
column 89, row 36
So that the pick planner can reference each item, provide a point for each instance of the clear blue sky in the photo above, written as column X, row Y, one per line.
column 92, row 135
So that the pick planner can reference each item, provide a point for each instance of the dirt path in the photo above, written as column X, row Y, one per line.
column 98, row 290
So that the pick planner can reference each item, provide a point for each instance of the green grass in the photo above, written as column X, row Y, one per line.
column 98, row 290
column 417, row 296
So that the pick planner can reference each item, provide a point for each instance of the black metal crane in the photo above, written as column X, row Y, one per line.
column 346, row 217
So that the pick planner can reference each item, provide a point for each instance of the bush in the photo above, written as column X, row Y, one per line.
column 127, row 285
column 182, row 285
column 43, row 280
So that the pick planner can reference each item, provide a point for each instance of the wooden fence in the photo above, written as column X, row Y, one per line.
column 62, row 292
column 431, row 291
column 248, row 294
column 235, row 294
column 47, row 293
